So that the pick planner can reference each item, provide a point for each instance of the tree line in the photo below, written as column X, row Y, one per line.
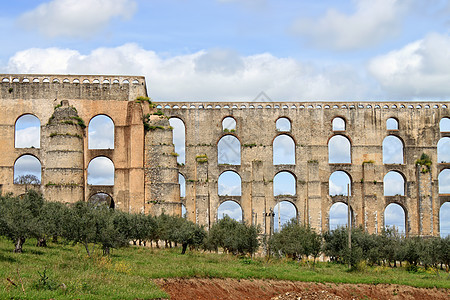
column 91, row 225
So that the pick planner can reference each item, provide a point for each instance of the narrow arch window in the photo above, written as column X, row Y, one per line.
column 283, row 150
column 231, row 209
column 229, row 150
column 179, row 138
column 338, row 184
column 27, row 133
column 229, row 184
column 102, row 199
column 391, row 124
column 338, row 124
column 443, row 150
column 339, row 150
column 394, row 217
column 392, row 150
column 394, row 184
column 284, row 212
column 182, row 183
column 183, row 211
column 229, row 124
column 100, row 171
column 444, row 181
column 338, row 215
column 444, row 125
column 27, row 170
column 101, row 133
column 283, row 124
column 284, row 184
column 444, row 219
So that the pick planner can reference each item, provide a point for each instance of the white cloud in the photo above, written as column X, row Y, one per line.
column 28, row 137
column 101, row 171
column 76, row 18
column 420, row 69
column 101, row 133
column 203, row 75
column 371, row 23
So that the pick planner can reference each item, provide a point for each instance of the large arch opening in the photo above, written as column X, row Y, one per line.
column 339, row 150
column 338, row 124
column 102, row 199
column 100, row 171
column 229, row 150
column 443, row 150
column 27, row 170
column 101, row 133
column 229, row 184
column 392, row 150
column 394, row 184
column 283, row 124
column 231, row 209
column 229, row 124
column 444, row 220
column 179, row 138
column 27, row 132
column 338, row 184
column 284, row 184
column 391, row 124
column 395, row 217
column 338, row 215
column 182, row 183
column 444, row 181
column 283, row 150
column 444, row 125
column 284, row 211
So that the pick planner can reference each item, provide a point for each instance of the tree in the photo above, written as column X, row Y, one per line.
column 188, row 234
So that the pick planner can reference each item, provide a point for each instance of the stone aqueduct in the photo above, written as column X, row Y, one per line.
column 146, row 169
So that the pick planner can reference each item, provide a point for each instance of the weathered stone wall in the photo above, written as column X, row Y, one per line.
column 311, row 131
column 146, row 170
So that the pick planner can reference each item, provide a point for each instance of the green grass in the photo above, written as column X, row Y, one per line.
column 127, row 273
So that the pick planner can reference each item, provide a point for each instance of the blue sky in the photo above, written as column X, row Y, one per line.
column 232, row 50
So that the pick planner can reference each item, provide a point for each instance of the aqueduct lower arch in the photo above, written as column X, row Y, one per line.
column 145, row 162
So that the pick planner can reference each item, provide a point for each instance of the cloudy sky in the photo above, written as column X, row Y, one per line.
column 233, row 50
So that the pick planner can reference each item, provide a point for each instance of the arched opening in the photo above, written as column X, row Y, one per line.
column 27, row 132
column 283, row 150
column 391, row 124
column 284, row 211
column 444, row 219
column 229, row 124
column 229, row 184
column 100, row 171
column 102, row 199
column 395, row 217
column 183, row 211
column 392, row 150
column 394, row 184
column 229, row 150
column 283, row 124
column 338, row 215
column 443, row 150
column 444, row 181
column 231, row 209
column 179, row 138
column 182, row 183
column 101, row 133
column 27, row 170
column 444, row 125
column 339, row 150
column 284, row 184
column 339, row 183
column 338, row 124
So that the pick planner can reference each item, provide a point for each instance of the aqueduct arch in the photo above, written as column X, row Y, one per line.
column 145, row 163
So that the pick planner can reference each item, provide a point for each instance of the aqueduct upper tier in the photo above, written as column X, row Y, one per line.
column 309, row 141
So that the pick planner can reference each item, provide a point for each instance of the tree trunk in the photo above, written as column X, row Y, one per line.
column 86, row 246
column 41, row 242
column 19, row 244
column 55, row 238
column 106, row 251
column 184, row 248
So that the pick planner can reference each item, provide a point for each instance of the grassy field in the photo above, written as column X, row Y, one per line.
column 127, row 273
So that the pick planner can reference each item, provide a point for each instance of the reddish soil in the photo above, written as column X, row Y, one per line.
column 206, row 289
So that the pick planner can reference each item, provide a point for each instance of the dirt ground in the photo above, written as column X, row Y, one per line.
column 203, row 289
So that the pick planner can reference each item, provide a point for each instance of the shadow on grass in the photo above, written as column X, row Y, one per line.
column 7, row 259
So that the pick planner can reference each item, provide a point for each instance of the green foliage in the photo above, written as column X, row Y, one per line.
column 202, row 158
column 80, row 122
column 159, row 113
column 45, row 283
column 424, row 163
